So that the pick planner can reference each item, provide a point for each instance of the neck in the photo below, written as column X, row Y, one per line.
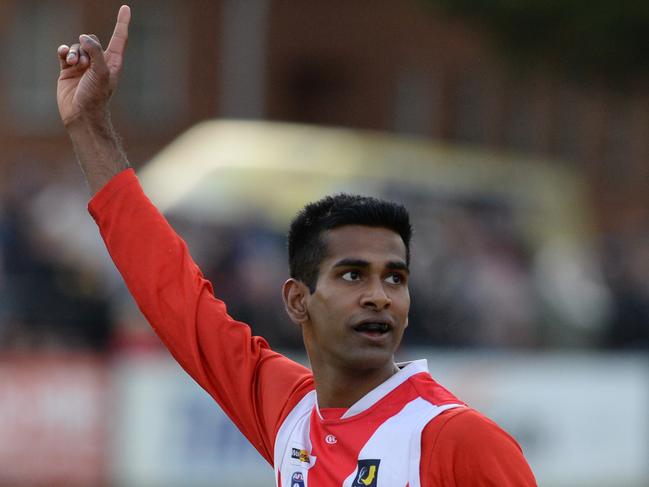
column 341, row 388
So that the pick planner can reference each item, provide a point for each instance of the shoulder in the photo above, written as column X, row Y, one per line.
column 468, row 428
column 463, row 447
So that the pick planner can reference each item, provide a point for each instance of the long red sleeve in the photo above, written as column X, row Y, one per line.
column 255, row 386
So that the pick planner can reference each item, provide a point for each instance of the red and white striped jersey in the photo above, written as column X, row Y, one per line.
column 376, row 442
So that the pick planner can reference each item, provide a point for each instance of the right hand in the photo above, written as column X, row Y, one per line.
column 89, row 74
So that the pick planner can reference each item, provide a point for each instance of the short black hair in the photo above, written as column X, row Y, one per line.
column 306, row 247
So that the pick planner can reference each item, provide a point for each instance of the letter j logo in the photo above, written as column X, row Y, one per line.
column 368, row 471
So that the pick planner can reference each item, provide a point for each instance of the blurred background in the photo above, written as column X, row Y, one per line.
column 517, row 133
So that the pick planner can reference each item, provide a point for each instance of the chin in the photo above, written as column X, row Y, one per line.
column 368, row 360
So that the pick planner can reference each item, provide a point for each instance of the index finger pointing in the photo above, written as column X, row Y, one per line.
column 118, row 41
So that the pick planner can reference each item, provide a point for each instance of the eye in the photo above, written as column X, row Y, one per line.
column 395, row 279
column 351, row 276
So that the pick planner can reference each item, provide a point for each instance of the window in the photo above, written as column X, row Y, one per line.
column 416, row 97
column 470, row 109
column 30, row 66
column 153, row 87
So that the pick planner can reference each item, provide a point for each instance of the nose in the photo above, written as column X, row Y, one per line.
column 374, row 296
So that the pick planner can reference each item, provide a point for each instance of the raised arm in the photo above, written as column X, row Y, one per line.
column 86, row 82
column 255, row 386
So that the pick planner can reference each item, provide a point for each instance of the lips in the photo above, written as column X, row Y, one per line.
column 373, row 326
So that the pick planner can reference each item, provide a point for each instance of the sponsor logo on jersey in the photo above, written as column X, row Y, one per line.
column 368, row 473
column 297, row 479
column 301, row 455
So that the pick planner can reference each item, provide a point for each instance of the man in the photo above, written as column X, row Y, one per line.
column 358, row 419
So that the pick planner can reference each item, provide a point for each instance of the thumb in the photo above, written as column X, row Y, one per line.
column 92, row 46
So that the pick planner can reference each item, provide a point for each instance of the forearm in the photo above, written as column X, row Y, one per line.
column 98, row 150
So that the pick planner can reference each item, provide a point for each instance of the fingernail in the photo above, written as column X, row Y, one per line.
column 71, row 56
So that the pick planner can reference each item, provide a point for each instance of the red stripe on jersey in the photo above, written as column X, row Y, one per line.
column 432, row 391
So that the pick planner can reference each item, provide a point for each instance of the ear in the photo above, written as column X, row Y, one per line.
column 295, row 294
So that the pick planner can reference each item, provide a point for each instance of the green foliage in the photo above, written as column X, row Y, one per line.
column 581, row 38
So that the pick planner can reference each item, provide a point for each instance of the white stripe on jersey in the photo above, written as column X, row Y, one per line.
column 294, row 430
column 397, row 444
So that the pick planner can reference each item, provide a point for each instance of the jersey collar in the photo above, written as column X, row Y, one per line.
column 406, row 370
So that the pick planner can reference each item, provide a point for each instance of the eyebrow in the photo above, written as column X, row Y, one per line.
column 396, row 265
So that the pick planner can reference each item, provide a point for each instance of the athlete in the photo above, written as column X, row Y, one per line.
column 357, row 418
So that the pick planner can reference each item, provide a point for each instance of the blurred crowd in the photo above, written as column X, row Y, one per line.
column 46, row 299
column 476, row 281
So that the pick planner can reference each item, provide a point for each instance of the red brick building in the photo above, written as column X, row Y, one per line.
column 395, row 65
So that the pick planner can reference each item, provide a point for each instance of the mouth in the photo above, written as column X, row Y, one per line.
column 373, row 328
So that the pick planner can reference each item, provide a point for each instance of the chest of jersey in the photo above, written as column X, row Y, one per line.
column 377, row 447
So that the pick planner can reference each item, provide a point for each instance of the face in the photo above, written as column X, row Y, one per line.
column 358, row 312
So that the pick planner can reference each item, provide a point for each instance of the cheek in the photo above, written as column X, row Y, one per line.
column 328, row 313
column 330, row 300
column 401, row 304
column 319, row 311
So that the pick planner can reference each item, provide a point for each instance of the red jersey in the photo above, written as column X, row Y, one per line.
column 262, row 391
